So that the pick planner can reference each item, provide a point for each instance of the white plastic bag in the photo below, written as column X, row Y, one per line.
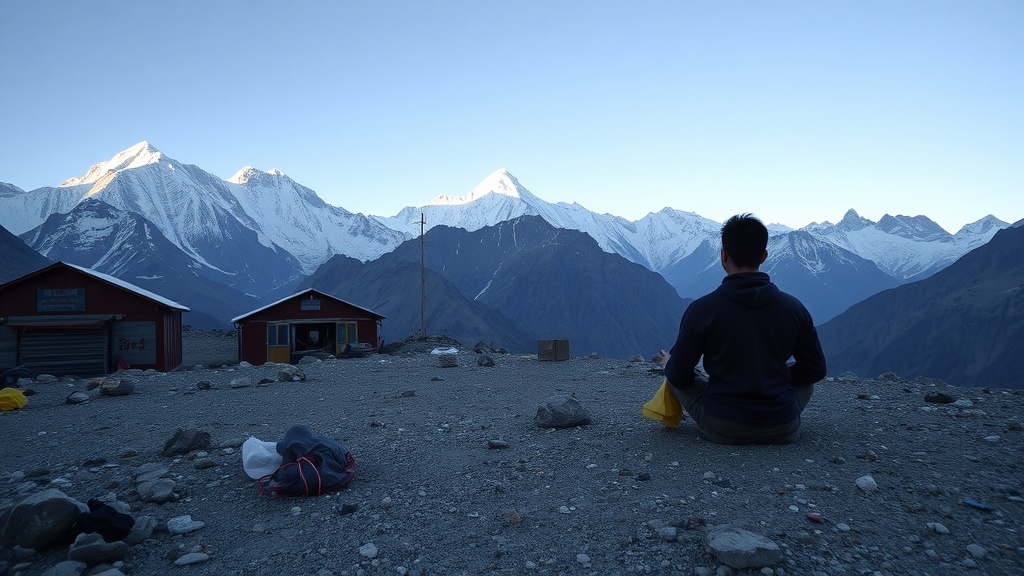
column 260, row 458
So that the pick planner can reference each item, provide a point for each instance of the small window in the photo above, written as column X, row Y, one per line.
column 277, row 335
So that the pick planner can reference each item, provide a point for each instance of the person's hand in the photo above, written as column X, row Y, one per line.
column 664, row 359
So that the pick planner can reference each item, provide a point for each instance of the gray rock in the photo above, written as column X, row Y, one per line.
column 117, row 387
column 667, row 533
column 241, row 383
column 92, row 549
column 41, row 520
column 368, row 550
column 66, row 568
column 150, row 471
column 867, row 483
column 141, row 531
column 204, row 385
column 485, row 361
column 204, row 463
column 561, row 412
column 22, row 553
column 159, row 491
column 183, row 525
column 289, row 373
column 976, row 551
column 77, row 398
column 741, row 548
column 186, row 440
column 192, row 558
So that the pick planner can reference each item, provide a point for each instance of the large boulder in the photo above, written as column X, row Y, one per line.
column 41, row 520
column 561, row 412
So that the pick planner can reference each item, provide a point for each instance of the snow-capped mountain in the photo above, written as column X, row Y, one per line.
column 825, row 277
column 295, row 218
column 260, row 231
column 201, row 213
column 655, row 241
column 127, row 246
column 905, row 247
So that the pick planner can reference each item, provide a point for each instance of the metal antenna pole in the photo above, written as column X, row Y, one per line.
column 423, row 282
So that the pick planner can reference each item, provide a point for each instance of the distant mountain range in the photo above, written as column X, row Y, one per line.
column 520, row 281
column 223, row 247
column 964, row 324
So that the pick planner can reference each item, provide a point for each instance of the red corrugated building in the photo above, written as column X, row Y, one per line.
column 307, row 322
column 66, row 319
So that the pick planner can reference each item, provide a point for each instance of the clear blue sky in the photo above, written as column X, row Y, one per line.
column 793, row 110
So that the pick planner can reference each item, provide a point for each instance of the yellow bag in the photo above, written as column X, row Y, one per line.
column 664, row 407
column 12, row 399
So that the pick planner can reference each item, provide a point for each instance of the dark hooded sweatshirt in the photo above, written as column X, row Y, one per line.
column 747, row 330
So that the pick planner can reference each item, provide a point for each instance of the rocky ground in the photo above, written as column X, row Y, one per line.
column 455, row 476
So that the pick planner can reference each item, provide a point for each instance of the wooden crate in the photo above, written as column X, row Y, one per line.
column 552, row 350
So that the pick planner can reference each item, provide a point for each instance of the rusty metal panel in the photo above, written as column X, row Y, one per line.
column 134, row 342
column 59, row 352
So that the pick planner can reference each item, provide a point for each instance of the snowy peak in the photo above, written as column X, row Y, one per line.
column 988, row 224
column 142, row 154
column 498, row 182
column 251, row 175
column 852, row 221
column 912, row 227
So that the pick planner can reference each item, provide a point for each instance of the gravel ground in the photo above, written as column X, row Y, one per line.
column 434, row 497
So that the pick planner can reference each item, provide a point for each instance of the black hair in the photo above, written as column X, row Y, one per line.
column 744, row 239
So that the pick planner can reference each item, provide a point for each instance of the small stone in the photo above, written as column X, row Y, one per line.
column 867, row 483
column 939, row 398
column 815, row 517
column 191, row 558
column 497, row 444
column 583, row 559
column 564, row 510
column 183, row 525
column 938, row 528
column 993, row 438
column 204, row 463
column 77, row 398
column 667, row 533
column 643, row 476
column 976, row 551
column 963, row 403
column 843, row 527
column 740, row 548
column 368, row 550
